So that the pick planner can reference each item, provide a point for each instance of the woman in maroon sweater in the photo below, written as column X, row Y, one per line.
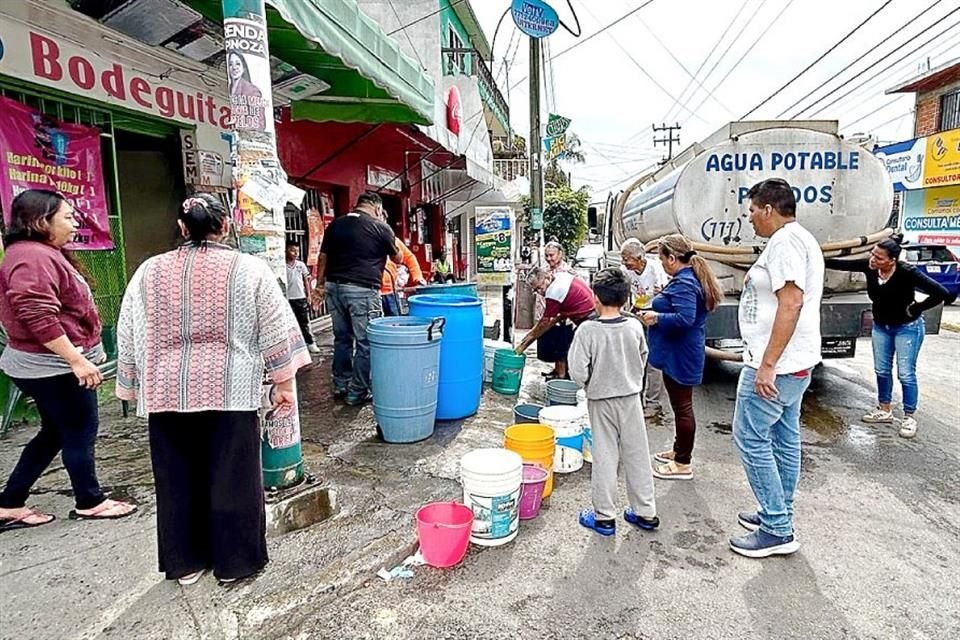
column 53, row 330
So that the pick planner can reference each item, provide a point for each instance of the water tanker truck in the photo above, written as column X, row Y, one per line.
column 844, row 197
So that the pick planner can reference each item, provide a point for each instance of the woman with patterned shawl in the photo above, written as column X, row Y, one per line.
column 198, row 327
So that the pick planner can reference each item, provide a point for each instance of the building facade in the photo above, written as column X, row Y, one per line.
column 926, row 169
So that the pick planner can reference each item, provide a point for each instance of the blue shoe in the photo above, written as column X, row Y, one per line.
column 645, row 523
column 749, row 520
column 761, row 544
column 604, row 527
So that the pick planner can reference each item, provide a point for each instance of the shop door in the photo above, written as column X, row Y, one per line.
column 150, row 177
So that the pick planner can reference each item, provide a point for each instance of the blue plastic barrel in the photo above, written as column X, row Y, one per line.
column 405, row 374
column 449, row 289
column 461, row 351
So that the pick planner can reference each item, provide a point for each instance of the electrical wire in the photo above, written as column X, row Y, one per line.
column 723, row 55
column 452, row 4
column 640, row 66
column 590, row 37
column 886, row 105
column 822, row 56
column 902, row 74
column 407, row 35
column 663, row 46
column 838, row 73
column 747, row 52
column 575, row 18
column 885, row 69
column 706, row 59
column 892, row 120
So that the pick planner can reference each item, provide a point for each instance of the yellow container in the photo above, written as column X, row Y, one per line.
column 535, row 443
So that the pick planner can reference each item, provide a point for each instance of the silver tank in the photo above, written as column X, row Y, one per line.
column 843, row 191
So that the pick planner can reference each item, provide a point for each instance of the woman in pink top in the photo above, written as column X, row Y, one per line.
column 52, row 353
column 198, row 327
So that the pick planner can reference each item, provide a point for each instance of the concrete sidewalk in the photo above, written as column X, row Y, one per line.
column 878, row 517
column 99, row 579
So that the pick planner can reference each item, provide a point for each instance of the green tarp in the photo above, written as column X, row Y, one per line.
column 370, row 79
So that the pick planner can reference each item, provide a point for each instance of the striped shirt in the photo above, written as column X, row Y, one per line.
column 198, row 328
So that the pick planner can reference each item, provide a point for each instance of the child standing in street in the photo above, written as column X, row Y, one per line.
column 298, row 285
column 608, row 357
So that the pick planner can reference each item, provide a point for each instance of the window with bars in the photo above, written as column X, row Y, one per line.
column 950, row 110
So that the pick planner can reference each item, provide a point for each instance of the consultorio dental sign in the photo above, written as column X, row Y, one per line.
column 49, row 60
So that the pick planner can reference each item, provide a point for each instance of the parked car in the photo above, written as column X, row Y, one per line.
column 589, row 259
column 936, row 261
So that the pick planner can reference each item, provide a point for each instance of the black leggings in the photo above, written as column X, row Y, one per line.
column 68, row 425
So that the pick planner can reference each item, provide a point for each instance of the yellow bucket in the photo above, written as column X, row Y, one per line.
column 535, row 443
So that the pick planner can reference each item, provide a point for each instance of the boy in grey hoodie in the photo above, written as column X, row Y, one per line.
column 608, row 357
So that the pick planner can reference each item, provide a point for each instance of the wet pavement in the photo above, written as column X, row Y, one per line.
column 878, row 518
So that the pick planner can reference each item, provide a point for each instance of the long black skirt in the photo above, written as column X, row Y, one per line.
column 210, row 509
column 553, row 345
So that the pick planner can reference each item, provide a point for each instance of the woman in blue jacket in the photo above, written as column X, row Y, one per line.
column 677, row 340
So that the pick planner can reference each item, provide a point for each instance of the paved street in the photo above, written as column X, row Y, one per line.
column 878, row 518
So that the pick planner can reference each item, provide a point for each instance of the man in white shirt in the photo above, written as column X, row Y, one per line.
column 780, row 326
column 646, row 278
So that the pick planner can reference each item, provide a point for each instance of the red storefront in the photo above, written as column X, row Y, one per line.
column 339, row 161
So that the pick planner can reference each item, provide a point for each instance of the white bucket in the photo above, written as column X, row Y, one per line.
column 489, row 350
column 587, row 433
column 567, row 422
column 491, row 480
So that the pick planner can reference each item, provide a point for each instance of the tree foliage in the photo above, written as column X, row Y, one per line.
column 564, row 217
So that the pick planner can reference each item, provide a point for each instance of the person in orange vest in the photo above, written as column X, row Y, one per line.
column 393, row 278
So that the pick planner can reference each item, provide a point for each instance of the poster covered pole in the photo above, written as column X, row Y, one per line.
column 261, row 190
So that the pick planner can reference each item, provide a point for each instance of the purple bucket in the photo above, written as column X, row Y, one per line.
column 531, row 491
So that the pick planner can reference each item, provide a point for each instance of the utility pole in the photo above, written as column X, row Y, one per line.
column 668, row 140
column 536, row 144
column 261, row 220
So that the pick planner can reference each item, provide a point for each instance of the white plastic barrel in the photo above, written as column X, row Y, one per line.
column 491, row 480
column 489, row 350
column 567, row 422
column 587, row 433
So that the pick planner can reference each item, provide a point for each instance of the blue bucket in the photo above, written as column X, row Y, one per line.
column 404, row 372
column 461, row 351
column 449, row 289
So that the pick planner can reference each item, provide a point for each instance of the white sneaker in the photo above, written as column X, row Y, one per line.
column 908, row 427
column 878, row 416
column 314, row 349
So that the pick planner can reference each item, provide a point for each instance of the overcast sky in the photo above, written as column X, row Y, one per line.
column 613, row 103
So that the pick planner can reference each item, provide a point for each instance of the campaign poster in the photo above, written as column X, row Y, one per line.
column 40, row 152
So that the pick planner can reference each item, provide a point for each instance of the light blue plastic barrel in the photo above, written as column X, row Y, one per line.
column 461, row 351
column 405, row 374
column 449, row 289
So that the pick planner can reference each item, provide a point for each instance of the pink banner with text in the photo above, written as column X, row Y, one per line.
column 39, row 152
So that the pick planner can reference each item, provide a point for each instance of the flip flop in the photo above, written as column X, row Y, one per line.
column 103, row 508
column 12, row 524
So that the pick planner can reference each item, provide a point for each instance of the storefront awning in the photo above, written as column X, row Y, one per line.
column 370, row 79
